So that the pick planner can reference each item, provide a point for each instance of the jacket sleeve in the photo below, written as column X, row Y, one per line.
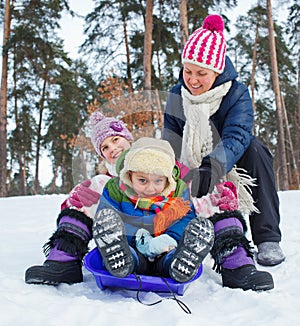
column 236, row 116
column 174, row 120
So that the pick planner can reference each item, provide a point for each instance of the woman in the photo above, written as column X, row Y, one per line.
column 208, row 121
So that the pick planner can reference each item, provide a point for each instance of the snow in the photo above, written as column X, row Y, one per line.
column 27, row 223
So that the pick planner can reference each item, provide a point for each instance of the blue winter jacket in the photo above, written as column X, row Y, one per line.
column 135, row 218
column 233, row 121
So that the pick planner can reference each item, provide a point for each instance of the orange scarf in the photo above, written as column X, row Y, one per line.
column 173, row 210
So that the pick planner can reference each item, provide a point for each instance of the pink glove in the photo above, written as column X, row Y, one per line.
column 226, row 198
column 81, row 196
column 183, row 169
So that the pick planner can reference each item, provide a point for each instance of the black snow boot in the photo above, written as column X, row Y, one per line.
column 247, row 277
column 54, row 272
column 195, row 243
column 233, row 254
column 110, row 237
column 64, row 250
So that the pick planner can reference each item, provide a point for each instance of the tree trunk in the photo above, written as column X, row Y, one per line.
column 3, row 101
column 299, row 91
column 158, row 66
column 253, row 76
column 279, row 109
column 39, row 136
column 184, row 31
column 148, row 45
column 294, row 179
column 21, row 153
column 253, row 69
column 52, row 187
column 127, row 50
column 22, row 175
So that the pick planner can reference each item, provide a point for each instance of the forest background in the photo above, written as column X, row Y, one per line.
column 129, row 60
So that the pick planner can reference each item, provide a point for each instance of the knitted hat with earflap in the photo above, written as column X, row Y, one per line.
column 153, row 156
column 206, row 47
column 103, row 127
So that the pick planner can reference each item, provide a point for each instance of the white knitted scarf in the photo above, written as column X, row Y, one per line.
column 197, row 139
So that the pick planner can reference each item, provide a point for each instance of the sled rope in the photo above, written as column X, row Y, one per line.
column 180, row 303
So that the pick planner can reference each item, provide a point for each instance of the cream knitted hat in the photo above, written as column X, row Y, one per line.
column 150, row 155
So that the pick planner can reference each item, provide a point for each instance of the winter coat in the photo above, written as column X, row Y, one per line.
column 135, row 218
column 233, row 120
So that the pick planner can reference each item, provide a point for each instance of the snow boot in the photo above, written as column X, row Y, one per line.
column 233, row 254
column 269, row 254
column 64, row 251
column 194, row 245
column 110, row 237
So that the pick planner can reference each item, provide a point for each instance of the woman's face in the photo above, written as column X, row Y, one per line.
column 147, row 185
column 197, row 79
column 112, row 147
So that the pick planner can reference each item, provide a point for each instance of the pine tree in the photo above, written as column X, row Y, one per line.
column 3, row 100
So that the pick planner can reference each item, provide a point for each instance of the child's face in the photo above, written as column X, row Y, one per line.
column 147, row 185
column 112, row 147
column 197, row 79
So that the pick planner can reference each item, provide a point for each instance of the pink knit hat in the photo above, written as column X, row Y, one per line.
column 206, row 47
column 103, row 127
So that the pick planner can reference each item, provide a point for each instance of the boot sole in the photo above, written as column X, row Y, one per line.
column 43, row 275
column 32, row 280
column 196, row 242
column 260, row 281
column 263, row 286
column 270, row 263
column 110, row 237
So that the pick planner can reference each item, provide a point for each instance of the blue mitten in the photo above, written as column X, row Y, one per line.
column 162, row 243
column 151, row 247
column 142, row 239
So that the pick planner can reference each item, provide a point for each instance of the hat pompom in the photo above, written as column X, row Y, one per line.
column 96, row 117
column 213, row 23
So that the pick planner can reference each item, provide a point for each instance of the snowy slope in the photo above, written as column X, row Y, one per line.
column 27, row 223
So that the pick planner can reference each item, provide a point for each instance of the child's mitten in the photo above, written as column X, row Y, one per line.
column 151, row 247
column 226, row 197
column 142, row 239
column 162, row 243
column 81, row 195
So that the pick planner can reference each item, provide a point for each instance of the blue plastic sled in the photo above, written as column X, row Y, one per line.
column 93, row 263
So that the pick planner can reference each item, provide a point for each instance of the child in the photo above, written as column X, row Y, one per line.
column 145, row 221
column 141, row 219
column 69, row 243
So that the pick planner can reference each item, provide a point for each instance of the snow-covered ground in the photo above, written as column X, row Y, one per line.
column 27, row 223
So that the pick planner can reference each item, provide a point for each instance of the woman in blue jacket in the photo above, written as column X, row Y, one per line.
column 209, row 120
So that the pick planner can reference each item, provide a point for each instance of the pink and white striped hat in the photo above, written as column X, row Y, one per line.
column 206, row 47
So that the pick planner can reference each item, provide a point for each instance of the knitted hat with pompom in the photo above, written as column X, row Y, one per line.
column 103, row 127
column 206, row 47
